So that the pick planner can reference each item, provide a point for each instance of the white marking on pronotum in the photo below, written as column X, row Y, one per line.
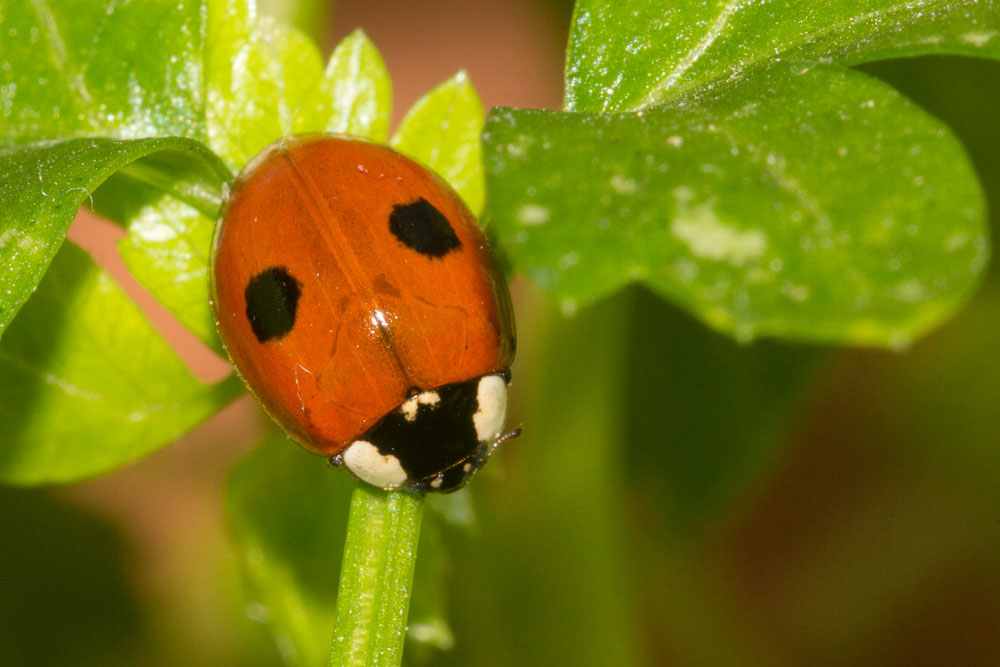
column 364, row 460
column 412, row 404
column 409, row 409
column 491, row 397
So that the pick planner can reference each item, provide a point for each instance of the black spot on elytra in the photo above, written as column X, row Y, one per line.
column 272, row 298
column 420, row 226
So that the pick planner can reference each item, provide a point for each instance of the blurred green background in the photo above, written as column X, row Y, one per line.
column 676, row 498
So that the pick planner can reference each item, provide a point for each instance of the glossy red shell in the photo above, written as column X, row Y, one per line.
column 375, row 318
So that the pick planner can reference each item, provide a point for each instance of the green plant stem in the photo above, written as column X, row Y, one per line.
column 376, row 577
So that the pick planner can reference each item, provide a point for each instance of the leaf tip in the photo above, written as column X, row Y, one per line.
column 358, row 34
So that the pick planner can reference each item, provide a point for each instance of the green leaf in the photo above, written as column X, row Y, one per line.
column 428, row 631
column 45, row 183
column 258, row 75
column 638, row 53
column 36, row 581
column 442, row 131
column 704, row 417
column 549, row 561
column 288, row 512
column 934, row 407
column 266, row 81
column 169, row 242
column 69, row 69
column 816, row 204
column 86, row 384
column 310, row 16
column 354, row 96
column 166, row 249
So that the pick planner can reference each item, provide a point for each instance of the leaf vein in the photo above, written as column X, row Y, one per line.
column 657, row 95
column 774, row 164
column 51, row 379
column 696, row 52
column 56, row 50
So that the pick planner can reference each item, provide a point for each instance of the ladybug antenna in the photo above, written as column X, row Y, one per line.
column 507, row 436
column 488, row 452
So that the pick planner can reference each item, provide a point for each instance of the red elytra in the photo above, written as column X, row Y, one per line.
column 347, row 278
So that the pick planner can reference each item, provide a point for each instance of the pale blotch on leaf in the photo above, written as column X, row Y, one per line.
column 519, row 148
column 533, row 214
column 979, row 38
column 956, row 241
column 685, row 270
column 708, row 237
column 623, row 185
column 797, row 293
column 910, row 291
column 568, row 260
column 435, row 633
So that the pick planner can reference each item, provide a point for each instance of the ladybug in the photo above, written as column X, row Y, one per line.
column 359, row 301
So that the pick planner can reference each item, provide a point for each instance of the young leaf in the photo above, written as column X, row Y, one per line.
column 69, row 69
column 258, row 75
column 86, row 384
column 45, row 183
column 442, row 131
column 167, row 246
column 168, row 243
column 166, row 249
column 354, row 96
column 310, row 16
column 816, row 204
column 634, row 54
